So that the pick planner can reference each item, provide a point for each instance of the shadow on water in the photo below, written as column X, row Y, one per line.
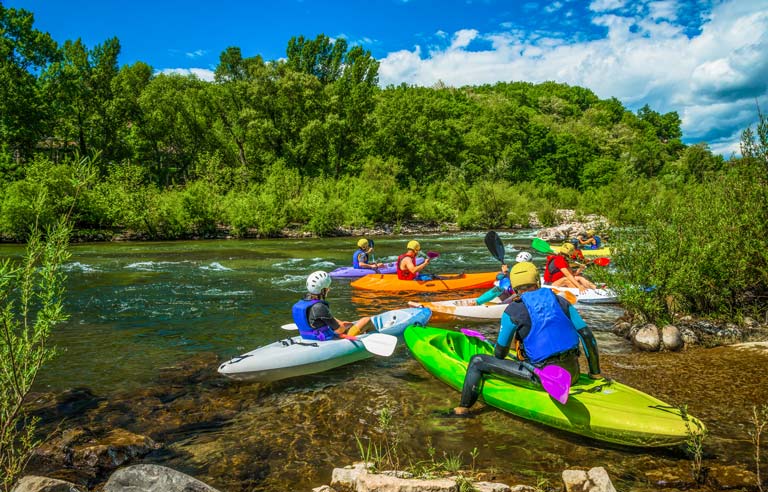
column 140, row 310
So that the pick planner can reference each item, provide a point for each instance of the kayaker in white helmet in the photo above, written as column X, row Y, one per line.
column 545, row 330
column 313, row 315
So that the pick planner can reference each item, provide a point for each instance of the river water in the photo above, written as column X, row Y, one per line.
column 139, row 309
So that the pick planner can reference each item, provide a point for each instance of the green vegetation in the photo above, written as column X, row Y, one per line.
column 759, row 421
column 312, row 142
column 31, row 295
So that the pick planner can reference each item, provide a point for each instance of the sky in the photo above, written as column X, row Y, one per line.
column 705, row 59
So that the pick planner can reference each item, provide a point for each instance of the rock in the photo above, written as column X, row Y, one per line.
column 688, row 337
column 346, row 478
column 324, row 488
column 647, row 338
column 370, row 482
column 594, row 480
column 33, row 483
column 671, row 338
column 113, row 450
column 153, row 478
column 728, row 477
column 622, row 329
column 491, row 487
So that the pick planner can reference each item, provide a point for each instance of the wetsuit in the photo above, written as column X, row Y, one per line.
column 538, row 316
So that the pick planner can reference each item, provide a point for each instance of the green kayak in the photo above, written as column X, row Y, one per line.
column 599, row 409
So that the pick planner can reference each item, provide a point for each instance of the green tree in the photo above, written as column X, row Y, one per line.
column 24, row 110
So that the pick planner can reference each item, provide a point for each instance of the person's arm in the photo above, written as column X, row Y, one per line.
column 506, row 335
column 320, row 316
column 562, row 264
column 588, row 342
column 411, row 265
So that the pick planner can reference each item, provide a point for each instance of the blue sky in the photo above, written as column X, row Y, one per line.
column 705, row 59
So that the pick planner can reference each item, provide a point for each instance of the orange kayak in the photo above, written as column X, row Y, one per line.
column 462, row 281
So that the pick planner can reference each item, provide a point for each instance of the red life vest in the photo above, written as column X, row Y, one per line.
column 552, row 271
column 404, row 274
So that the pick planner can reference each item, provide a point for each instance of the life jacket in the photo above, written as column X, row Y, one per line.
column 405, row 274
column 300, row 314
column 598, row 242
column 552, row 332
column 355, row 258
column 551, row 272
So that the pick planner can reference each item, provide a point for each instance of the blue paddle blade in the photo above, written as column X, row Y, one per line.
column 556, row 381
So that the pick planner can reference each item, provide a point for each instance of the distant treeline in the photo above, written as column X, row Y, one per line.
column 313, row 142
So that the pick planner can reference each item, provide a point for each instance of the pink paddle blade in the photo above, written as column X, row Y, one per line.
column 472, row 333
column 432, row 255
column 556, row 381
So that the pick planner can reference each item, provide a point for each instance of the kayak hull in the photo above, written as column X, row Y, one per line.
column 590, row 296
column 467, row 308
column 604, row 251
column 390, row 282
column 599, row 409
column 352, row 272
column 295, row 356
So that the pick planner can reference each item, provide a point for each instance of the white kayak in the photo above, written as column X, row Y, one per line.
column 590, row 296
column 466, row 308
column 295, row 356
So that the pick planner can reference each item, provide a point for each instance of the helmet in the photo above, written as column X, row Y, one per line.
column 567, row 249
column 317, row 281
column 523, row 256
column 362, row 244
column 414, row 245
column 524, row 273
column 591, row 232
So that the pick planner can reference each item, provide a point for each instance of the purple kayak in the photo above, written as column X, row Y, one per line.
column 351, row 272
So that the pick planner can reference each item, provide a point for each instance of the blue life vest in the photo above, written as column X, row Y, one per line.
column 355, row 262
column 552, row 332
column 598, row 242
column 300, row 314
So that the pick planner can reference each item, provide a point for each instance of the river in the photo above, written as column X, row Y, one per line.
column 139, row 309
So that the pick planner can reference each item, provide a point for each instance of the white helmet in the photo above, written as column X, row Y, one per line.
column 523, row 256
column 317, row 281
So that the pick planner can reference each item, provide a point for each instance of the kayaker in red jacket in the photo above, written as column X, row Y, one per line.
column 545, row 330
column 558, row 273
column 407, row 269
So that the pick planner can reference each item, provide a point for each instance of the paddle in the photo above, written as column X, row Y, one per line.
column 495, row 245
column 375, row 343
column 601, row 261
column 555, row 380
column 542, row 246
column 567, row 294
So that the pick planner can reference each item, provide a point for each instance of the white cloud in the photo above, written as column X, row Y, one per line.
column 711, row 79
column 196, row 53
column 200, row 73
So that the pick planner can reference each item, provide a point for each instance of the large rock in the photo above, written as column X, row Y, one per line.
column 671, row 338
column 33, row 483
column 647, row 338
column 153, row 478
column 594, row 480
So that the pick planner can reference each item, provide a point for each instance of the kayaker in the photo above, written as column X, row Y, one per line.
column 589, row 240
column 313, row 314
column 361, row 258
column 558, row 273
column 545, row 329
column 407, row 269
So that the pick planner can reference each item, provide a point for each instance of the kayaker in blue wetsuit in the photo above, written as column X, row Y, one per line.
column 545, row 329
column 588, row 240
column 502, row 288
column 362, row 257
column 313, row 314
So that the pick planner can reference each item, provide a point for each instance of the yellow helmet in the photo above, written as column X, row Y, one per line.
column 414, row 245
column 591, row 232
column 523, row 273
column 362, row 244
column 567, row 249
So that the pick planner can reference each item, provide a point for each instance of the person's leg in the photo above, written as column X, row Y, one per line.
column 358, row 326
column 483, row 364
column 564, row 282
column 583, row 282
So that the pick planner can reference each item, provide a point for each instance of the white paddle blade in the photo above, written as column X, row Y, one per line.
column 290, row 326
column 380, row 344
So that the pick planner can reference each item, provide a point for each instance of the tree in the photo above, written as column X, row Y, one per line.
column 24, row 111
column 320, row 57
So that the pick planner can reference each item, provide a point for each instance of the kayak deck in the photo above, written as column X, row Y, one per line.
column 443, row 282
column 598, row 409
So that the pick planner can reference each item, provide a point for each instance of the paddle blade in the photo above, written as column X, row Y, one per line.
column 290, row 326
column 568, row 296
column 495, row 245
column 556, row 381
column 541, row 246
column 472, row 333
column 602, row 261
column 379, row 344
column 432, row 255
